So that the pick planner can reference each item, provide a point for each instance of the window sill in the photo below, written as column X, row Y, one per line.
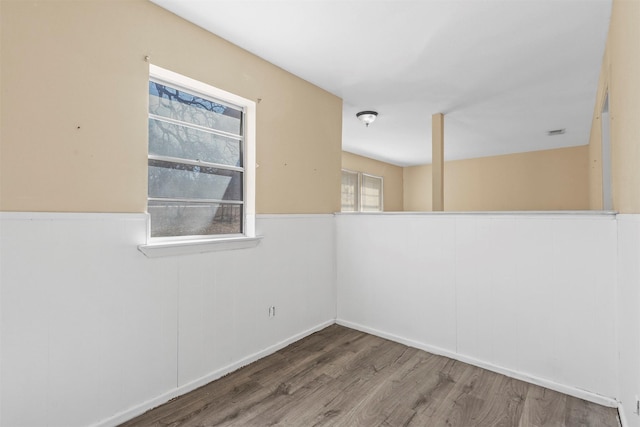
column 155, row 250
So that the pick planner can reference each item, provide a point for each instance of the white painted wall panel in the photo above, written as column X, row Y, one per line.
column 529, row 295
column 535, row 280
column 628, row 316
column 584, row 303
column 93, row 331
column 485, row 268
column 59, row 316
column 397, row 276
column 224, row 296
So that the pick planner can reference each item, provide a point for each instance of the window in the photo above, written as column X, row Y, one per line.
column 370, row 193
column 361, row 192
column 350, row 191
column 201, row 157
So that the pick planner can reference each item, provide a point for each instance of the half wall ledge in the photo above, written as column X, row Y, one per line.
column 187, row 247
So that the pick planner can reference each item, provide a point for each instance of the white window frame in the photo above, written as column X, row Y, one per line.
column 161, row 246
column 359, row 190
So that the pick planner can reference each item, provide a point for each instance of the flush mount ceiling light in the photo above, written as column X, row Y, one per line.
column 367, row 117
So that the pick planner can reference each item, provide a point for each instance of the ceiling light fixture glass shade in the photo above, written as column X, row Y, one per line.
column 367, row 117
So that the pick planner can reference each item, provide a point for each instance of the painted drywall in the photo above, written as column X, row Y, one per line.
column 620, row 77
column 538, row 180
column 532, row 296
column 393, row 188
column 93, row 331
column 75, row 136
column 417, row 188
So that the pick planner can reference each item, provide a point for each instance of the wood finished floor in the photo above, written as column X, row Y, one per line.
column 342, row 377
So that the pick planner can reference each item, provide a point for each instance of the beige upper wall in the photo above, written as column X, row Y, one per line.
column 417, row 188
column 73, row 122
column 539, row 180
column 620, row 74
column 393, row 175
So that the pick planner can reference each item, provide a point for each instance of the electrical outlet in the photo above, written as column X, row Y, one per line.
column 272, row 311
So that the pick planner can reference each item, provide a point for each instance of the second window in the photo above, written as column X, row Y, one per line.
column 361, row 192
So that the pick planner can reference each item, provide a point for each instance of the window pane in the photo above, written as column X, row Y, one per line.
column 349, row 191
column 166, row 139
column 371, row 193
column 193, row 219
column 181, row 181
column 179, row 105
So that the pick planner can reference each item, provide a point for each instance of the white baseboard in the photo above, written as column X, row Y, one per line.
column 123, row 416
column 572, row 391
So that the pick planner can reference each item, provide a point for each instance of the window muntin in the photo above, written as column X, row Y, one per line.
column 361, row 192
column 198, row 185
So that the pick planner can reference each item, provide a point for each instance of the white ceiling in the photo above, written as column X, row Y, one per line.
column 504, row 72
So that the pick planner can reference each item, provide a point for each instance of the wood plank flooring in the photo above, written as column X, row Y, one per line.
column 342, row 377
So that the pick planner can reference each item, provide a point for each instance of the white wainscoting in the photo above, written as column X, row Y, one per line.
column 529, row 295
column 94, row 332
column 628, row 319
